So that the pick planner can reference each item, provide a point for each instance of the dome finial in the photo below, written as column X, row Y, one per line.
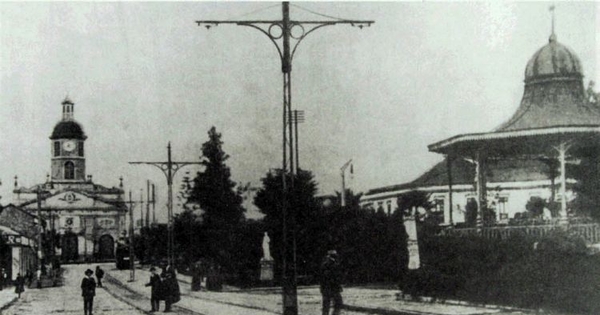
column 552, row 35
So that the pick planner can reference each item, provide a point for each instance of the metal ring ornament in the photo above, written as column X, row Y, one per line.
column 299, row 26
column 271, row 31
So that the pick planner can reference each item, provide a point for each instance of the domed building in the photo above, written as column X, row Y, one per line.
column 522, row 158
column 87, row 216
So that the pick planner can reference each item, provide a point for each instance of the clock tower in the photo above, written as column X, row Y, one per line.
column 67, row 148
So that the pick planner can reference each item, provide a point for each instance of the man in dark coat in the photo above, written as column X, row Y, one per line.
column 170, row 287
column 19, row 284
column 99, row 275
column 331, row 283
column 156, row 284
column 88, row 291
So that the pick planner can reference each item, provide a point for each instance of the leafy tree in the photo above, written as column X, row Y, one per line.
column 222, row 211
column 301, row 211
column 587, row 188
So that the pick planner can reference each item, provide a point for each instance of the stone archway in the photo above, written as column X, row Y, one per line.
column 106, row 247
column 70, row 247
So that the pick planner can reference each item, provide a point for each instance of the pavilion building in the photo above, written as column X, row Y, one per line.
column 557, row 122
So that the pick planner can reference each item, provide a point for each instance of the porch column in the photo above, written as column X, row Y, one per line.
column 481, row 187
column 449, row 159
column 562, row 151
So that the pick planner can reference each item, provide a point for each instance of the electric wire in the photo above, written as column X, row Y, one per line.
column 317, row 13
column 252, row 12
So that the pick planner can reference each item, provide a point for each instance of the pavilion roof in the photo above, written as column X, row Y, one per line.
column 463, row 173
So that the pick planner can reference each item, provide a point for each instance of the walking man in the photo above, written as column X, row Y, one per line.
column 156, row 284
column 170, row 287
column 331, row 283
column 19, row 284
column 99, row 275
column 88, row 291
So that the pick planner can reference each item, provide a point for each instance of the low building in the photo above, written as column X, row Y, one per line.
column 20, row 234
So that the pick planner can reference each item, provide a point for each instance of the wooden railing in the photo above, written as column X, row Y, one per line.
column 590, row 232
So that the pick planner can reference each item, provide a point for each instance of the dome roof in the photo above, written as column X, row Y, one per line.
column 554, row 59
column 68, row 130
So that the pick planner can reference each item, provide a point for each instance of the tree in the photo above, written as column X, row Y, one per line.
column 587, row 188
column 301, row 212
column 221, row 205
column 411, row 201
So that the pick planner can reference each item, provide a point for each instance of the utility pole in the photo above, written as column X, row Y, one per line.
column 169, row 168
column 153, row 206
column 41, row 229
column 343, row 171
column 298, row 117
column 141, row 210
column 286, row 34
column 131, row 251
column 149, row 201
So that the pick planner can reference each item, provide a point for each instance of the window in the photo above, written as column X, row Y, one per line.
column 389, row 207
column 56, row 148
column 80, row 148
column 502, row 201
column 438, row 204
column 69, row 170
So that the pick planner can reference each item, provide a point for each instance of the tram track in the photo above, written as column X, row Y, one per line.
column 142, row 302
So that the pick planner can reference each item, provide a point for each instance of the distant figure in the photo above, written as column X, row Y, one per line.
column 170, row 287
column 99, row 275
column 38, row 278
column 19, row 284
column 2, row 278
column 265, row 247
column 29, row 277
column 197, row 274
column 331, row 283
column 88, row 291
column 156, row 284
column 592, row 96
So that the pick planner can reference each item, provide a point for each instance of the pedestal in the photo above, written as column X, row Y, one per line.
column 266, row 270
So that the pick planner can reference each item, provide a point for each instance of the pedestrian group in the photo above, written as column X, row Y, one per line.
column 164, row 287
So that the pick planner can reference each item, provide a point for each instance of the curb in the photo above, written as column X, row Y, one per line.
column 428, row 299
column 9, row 304
column 381, row 311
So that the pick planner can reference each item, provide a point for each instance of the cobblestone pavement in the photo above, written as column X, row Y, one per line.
column 67, row 299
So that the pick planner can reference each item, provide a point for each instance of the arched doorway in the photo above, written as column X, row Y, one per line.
column 70, row 247
column 106, row 247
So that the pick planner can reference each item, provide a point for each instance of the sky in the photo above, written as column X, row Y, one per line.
column 144, row 74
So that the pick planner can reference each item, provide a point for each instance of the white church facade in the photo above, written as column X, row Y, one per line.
column 88, row 217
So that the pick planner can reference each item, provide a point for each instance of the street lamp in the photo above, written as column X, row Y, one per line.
column 169, row 168
column 282, row 33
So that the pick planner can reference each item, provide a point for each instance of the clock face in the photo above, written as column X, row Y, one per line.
column 69, row 146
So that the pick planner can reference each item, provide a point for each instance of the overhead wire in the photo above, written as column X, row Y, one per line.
column 317, row 13
column 252, row 12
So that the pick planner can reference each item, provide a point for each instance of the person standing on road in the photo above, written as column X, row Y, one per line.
column 331, row 283
column 156, row 284
column 2, row 278
column 38, row 276
column 170, row 288
column 88, row 291
column 99, row 275
column 19, row 284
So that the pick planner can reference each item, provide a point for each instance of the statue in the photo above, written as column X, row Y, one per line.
column 265, row 248
column 591, row 94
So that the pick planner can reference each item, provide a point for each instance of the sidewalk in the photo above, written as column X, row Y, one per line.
column 7, row 296
column 268, row 301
